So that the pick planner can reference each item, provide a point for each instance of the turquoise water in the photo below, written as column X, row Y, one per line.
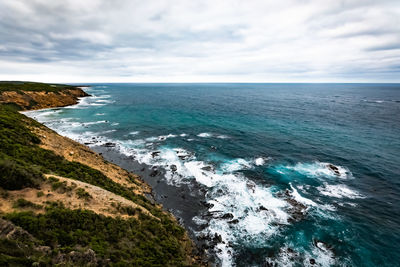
column 293, row 173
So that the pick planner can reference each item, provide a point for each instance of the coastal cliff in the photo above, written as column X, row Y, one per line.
column 61, row 203
column 30, row 96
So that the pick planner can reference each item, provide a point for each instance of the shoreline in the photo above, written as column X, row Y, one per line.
column 155, row 189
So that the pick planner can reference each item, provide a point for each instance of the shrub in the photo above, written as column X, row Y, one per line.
column 23, row 203
column 81, row 193
column 15, row 176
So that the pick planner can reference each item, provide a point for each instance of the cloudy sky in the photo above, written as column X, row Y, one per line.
column 200, row 41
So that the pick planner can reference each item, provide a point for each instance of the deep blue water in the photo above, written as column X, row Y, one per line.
column 262, row 151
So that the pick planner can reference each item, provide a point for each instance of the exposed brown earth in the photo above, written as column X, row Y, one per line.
column 74, row 151
column 99, row 200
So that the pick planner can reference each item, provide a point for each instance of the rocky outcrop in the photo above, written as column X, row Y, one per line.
column 9, row 231
column 29, row 100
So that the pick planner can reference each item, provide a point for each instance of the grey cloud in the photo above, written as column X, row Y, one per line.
column 253, row 40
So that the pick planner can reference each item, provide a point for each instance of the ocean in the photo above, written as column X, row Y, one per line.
column 259, row 174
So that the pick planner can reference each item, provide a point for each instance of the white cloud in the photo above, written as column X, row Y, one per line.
column 201, row 41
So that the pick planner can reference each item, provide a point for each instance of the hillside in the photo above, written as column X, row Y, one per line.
column 62, row 203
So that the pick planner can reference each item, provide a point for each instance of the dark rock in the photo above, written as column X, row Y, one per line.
column 206, row 204
column 207, row 168
column 235, row 221
column 334, row 169
column 173, row 168
column 154, row 173
column 227, row 216
column 108, row 144
column 10, row 231
column 262, row 208
column 155, row 154
column 217, row 238
column 312, row 261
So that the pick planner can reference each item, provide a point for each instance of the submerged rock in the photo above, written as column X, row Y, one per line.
column 334, row 169
column 155, row 154
column 173, row 168
column 109, row 144
column 227, row 216
column 154, row 173
column 235, row 221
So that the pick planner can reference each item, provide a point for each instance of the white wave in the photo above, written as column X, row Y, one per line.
column 300, row 199
column 93, row 122
column 339, row 191
column 115, row 124
column 165, row 137
column 100, row 114
column 134, row 133
column 105, row 101
column 317, row 169
column 108, row 131
column 204, row 135
column 183, row 135
column 259, row 161
column 322, row 255
column 222, row 136
column 236, row 165
column 374, row 101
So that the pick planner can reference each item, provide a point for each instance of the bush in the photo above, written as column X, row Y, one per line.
column 81, row 193
column 15, row 176
column 23, row 203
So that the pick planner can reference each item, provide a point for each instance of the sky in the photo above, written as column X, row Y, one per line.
column 200, row 41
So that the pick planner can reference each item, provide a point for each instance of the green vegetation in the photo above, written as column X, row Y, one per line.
column 125, row 209
column 15, row 253
column 39, row 194
column 145, row 241
column 60, row 187
column 23, row 203
column 81, row 193
column 32, row 86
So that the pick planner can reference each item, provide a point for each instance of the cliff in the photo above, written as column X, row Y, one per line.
column 66, row 204
column 57, row 96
